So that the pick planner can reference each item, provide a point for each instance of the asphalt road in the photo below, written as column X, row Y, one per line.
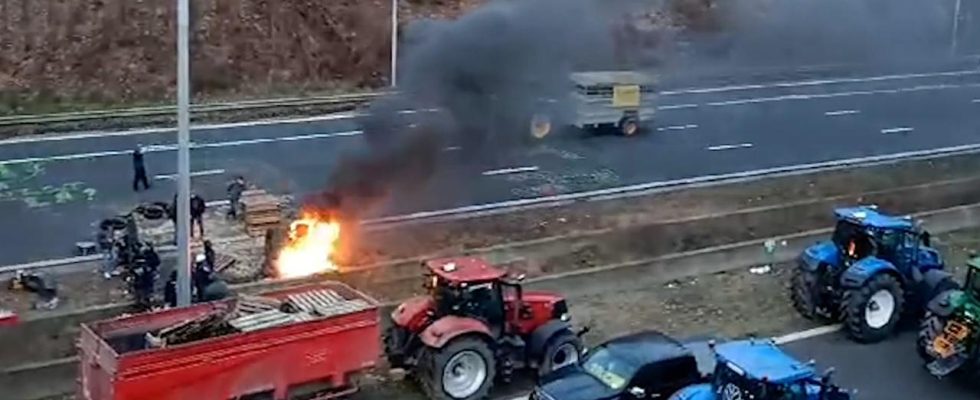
column 713, row 130
column 889, row 370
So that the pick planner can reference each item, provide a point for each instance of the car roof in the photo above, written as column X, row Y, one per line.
column 647, row 346
column 872, row 217
column 464, row 269
column 762, row 359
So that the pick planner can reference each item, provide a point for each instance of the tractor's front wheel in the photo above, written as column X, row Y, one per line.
column 562, row 350
column 872, row 311
column 463, row 369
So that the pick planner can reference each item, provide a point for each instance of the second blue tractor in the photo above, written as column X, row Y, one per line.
column 875, row 270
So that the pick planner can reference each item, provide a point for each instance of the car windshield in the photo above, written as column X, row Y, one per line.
column 610, row 369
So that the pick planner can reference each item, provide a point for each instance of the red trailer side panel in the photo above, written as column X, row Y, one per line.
column 280, row 360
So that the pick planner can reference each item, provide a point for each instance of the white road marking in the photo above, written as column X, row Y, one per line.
column 678, row 127
column 173, row 147
column 975, row 101
column 818, row 82
column 148, row 131
column 452, row 148
column 193, row 174
column 838, row 94
column 677, row 106
column 729, row 146
column 509, row 171
column 841, row 112
column 807, row 334
column 900, row 129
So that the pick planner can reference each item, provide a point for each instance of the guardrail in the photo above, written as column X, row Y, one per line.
column 142, row 112
column 800, row 71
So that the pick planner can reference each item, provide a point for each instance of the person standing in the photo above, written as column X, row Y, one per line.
column 139, row 170
column 198, row 207
column 106, row 241
column 235, row 190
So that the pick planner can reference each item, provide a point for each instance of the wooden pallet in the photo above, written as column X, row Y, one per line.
column 262, row 211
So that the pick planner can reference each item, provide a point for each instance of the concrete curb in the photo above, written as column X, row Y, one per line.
column 59, row 374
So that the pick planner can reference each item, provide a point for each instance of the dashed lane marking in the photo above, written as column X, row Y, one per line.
column 678, row 127
column 729, row 146
column 505, row 171
column 841, row 112
column 901, row 129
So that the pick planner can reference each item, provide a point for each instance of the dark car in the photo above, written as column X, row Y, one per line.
column 644, row 365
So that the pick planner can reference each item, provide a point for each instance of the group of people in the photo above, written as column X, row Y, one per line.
column 205, row 284
column 124, row 253
column 141, row 261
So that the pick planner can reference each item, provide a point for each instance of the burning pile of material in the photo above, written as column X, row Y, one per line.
column 310, row 247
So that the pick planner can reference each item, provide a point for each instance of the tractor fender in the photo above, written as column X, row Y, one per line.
column 942, row 304
column 819, row 254
column 864, row 269
column 450, row 327
column 539, row 338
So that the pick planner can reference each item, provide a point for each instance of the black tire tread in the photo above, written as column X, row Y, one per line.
column 563, row 337
column 431, row 361
column 801, row 293
column 852, row 308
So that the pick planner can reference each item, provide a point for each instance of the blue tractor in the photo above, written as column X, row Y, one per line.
column 875, row 270
column 759, row 370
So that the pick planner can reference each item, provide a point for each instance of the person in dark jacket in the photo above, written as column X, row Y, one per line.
column 235, row 190
column 139, row 170
column 197, row 213
column 170, row 290
column 209, row 256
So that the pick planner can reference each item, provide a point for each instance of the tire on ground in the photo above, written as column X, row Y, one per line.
column 628, row 126
column 855, row 306
column 802, row 293
column 434, row 362
column 561, row 351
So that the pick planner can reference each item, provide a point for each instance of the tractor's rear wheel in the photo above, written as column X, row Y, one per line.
column 803, row 293
column 463, row 369
column 562, row 350
column 872, row 311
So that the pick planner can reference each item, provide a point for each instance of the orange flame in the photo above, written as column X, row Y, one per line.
column 310, row 249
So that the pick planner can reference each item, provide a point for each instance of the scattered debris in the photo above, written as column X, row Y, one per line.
column 762, row 270
column 252, row 313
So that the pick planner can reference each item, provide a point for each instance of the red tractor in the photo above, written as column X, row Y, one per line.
column 475, row 325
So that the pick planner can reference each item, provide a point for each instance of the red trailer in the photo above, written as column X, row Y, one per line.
column 314, row 357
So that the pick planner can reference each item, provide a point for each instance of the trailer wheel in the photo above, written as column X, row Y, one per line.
column 872, row 311
column 540, row 125
column 562, row 350
column 464, row 369
column 628, row 126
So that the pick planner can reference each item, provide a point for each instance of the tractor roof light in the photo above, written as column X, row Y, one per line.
column 449, row 267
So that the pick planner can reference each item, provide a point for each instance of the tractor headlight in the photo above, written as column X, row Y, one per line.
column 565, row 317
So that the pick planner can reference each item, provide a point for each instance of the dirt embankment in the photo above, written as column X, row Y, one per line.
column 57, row 55
column 92, row 52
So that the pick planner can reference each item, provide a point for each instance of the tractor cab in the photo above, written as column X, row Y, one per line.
column 863, row 232
column 754, row 369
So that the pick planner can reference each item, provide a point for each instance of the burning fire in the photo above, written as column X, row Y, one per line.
column 310, row 249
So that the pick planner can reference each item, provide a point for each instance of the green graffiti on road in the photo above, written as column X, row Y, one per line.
column 19, row 183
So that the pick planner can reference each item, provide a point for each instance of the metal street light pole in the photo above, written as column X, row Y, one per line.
column 956, row 28
column 394, row 43
column 183, row 155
